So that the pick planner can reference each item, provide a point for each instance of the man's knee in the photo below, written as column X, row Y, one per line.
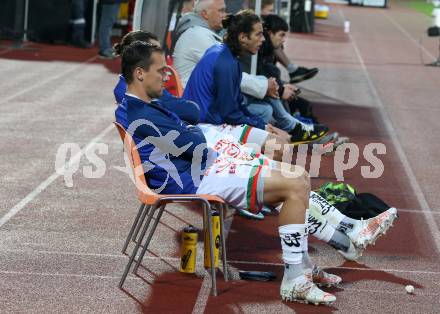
column 267, row 113
column 261, row 109
column 299, row 186
column 273, row 147
column 295, row 187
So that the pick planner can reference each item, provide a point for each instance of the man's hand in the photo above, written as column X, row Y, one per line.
column 272, row 88
column 278, row 132
column 289, row 91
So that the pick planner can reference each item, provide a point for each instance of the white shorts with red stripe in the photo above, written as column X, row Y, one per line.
column 243, row 134
column 227, row 145
column 239, row 182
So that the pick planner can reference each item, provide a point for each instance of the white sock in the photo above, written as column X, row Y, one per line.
column 291, row 68
column 335, row 218
column 318, row 226
column 293, row 243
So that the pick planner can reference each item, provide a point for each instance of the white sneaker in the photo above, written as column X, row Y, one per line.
column 367, row 231
column 303, row 290
column 353, row 253
column 322, row 278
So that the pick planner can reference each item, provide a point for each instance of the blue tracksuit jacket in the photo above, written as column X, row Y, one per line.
column 173, row 147
column 214, row 85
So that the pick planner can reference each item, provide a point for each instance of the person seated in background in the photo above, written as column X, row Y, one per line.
column 275, row 29
column 296, row 73
column 198, row 31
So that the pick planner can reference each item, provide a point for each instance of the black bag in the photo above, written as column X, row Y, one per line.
column 364, row 205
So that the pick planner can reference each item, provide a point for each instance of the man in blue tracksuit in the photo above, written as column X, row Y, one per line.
column 174, row 148
column 215, row 86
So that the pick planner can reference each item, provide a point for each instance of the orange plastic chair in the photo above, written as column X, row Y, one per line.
column 174, row 84
column 151, row 202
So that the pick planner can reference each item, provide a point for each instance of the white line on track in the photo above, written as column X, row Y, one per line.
column 204, row 292
column 408, row 35
column 202, row 297
column 48, row 80
column 419, row 292
column 206, row 288
column 65, row 275
column 43, row 185
column 206, row 285
column 418, row 211
column 434, row 229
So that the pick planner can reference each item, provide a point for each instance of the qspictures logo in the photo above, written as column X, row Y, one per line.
column 160, row 150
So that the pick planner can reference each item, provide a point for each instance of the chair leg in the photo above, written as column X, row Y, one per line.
column 150, row 235
column 140, row 222
column 223, row 211
column 207, row 209
column 133, row 226
column 138, row 244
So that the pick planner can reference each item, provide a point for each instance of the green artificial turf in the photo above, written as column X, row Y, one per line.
column 422, row 6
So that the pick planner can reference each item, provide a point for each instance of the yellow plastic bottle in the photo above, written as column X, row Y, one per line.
column 216, row 236
column 188, row 252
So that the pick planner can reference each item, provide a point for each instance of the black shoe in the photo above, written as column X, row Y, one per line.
column 307, row 133
column 302, row 74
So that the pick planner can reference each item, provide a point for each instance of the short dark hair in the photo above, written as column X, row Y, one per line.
column 274, row 23
column 242, row 22
column 132, row 37
column 137, row 54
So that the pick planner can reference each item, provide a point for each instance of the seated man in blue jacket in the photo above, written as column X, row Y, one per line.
column 178, row 161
